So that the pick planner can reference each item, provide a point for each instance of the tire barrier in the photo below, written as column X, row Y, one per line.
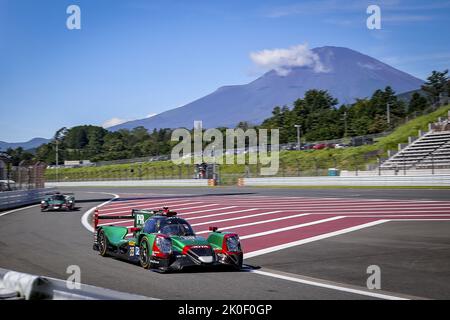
column 22, row 286
column 15, row 199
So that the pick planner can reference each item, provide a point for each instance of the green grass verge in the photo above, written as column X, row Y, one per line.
column 307, row 163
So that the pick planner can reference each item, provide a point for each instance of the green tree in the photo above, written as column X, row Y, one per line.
column 417, row 104
column 437, row 83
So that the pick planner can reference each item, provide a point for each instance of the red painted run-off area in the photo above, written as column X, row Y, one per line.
column 267, row 221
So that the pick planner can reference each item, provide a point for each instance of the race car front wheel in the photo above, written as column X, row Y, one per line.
column 144, row 253
column 102, row 243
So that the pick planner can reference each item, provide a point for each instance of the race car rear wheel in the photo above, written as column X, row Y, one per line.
column 102, row 243
column 144, row 253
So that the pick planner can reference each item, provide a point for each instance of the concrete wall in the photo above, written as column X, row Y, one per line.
column 135, row 183
column 400, row 172
column 14, row 199
column 389, row 181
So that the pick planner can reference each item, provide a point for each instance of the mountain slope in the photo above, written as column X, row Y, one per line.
column 349, row 75
column 33, row 143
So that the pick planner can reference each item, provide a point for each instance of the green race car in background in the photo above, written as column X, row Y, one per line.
column 164, row 242
column 58, row 201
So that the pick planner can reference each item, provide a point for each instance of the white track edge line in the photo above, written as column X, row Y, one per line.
column 85, row 216
column 329, row 286
column 312, row 239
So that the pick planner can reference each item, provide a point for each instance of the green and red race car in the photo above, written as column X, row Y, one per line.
column 58, row 201
column 164, row 242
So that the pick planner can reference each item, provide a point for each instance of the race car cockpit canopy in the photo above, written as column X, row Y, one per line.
column 58, row 197
column 169, row 226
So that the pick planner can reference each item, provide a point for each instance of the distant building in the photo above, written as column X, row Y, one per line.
column 77, row 163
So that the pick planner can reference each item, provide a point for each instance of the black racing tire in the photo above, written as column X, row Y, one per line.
column 238, row 266
column 102, row 243
column 144, row 253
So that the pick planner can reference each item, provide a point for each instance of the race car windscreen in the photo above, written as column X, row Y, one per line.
column 58, row 197
column 175, row 227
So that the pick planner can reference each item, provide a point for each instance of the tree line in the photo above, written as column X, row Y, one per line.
column 318, row 114
column 320, row 117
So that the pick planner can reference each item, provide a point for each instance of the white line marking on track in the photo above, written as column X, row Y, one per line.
column 85, row 216
column 259, row 222
column 208, row 210
column 328, row 286
column 202, row 206
column 181, row 208
column 116, row 223
column 128, row 205
column 383, row 214
column 18, row 209
column 438, row 219
column 324, row 198
column 264, row 233
column 217, row 214
column 236, row 218
column 308, row 240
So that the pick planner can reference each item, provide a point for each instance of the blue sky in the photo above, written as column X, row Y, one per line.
column 135, row 58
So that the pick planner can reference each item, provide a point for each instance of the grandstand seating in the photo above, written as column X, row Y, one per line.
column 432, row 150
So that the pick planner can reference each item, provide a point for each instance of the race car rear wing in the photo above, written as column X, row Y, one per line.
column 71, row 194
column 138, row 215
column 97, row 217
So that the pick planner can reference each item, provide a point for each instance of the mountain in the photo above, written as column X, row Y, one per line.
column 33, row 143
column 348, row 75
column 406, row 96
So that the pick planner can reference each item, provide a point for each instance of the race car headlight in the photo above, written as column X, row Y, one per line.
column 233, row 244
column 43, row 202
column 164, row 245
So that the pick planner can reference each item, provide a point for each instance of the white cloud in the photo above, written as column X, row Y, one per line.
column 113, row 122
column 283, row 60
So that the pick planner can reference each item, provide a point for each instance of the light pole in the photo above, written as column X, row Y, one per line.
column 388, row 114
column 214, row 161
column 57, row 159
column 345, row 124
column 298, row 126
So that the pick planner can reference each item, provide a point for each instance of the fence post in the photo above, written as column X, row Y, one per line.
column 404, row 164
column 316, row 166
column 247, row 172
column 379, row 165
column 432, row 164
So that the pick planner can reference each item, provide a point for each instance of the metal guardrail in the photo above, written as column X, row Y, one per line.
column 136, row 183
column 14, row 199
column 391, row 181
column 22, row 286
column 283, row 146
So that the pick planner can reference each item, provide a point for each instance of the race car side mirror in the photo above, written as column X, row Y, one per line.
column 213, row 229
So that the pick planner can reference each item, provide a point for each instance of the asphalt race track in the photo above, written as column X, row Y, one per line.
column 308, row 243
